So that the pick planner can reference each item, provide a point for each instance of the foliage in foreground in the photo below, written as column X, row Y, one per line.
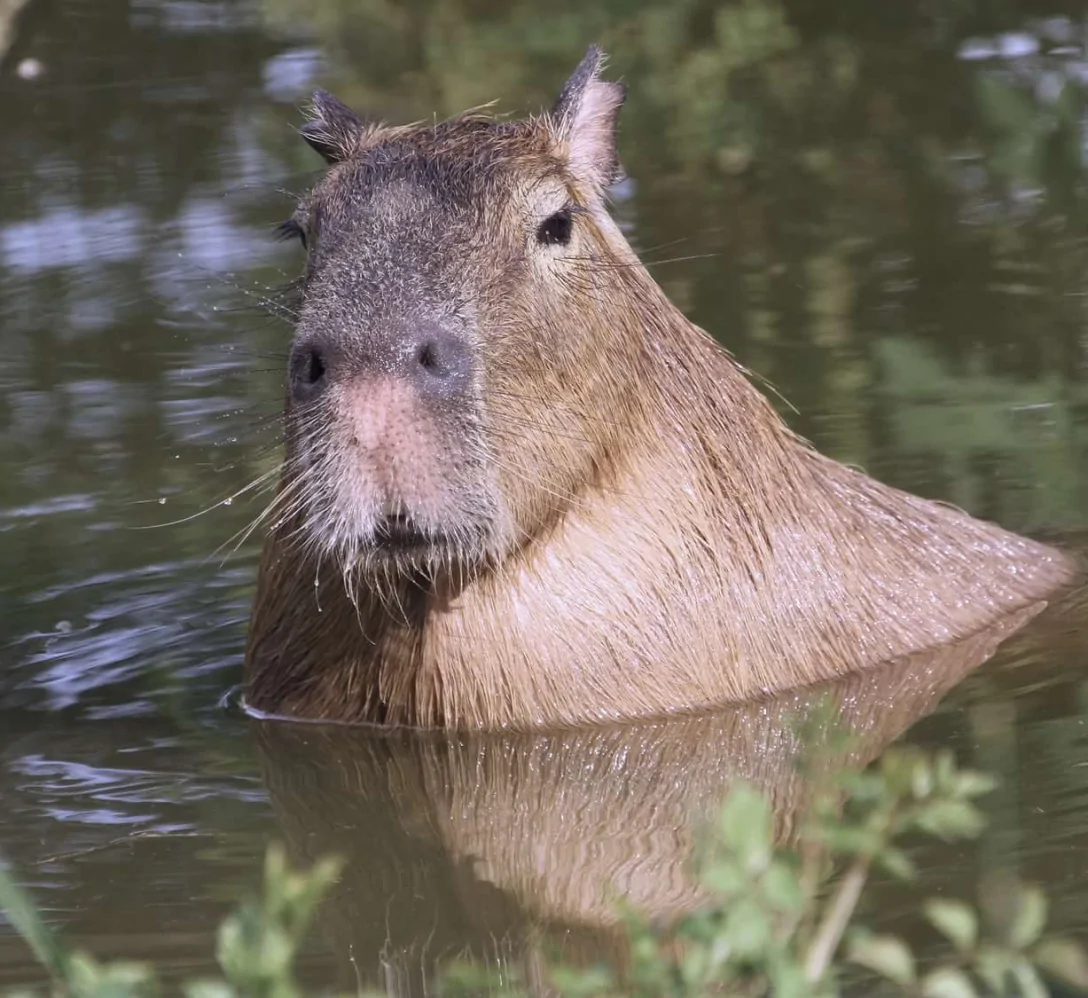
column 779, row 920
column 255, row 949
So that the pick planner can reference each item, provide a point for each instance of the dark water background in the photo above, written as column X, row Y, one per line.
column 879, row 207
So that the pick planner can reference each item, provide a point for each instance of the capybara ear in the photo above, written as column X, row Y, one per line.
column 334, row 129
column 584, row 118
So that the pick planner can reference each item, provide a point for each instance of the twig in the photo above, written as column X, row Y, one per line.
column 834, row 922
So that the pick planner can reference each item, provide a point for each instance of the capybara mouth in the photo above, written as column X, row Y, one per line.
column 399, row 532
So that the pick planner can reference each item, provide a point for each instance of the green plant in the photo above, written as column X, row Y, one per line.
column 256, row 945
column 778, row 919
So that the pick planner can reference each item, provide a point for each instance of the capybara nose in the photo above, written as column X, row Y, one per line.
column 308, row 371
column 435, row 359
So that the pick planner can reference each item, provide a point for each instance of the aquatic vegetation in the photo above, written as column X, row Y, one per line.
column 779, row 917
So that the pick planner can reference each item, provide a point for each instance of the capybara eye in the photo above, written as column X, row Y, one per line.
column 291, row 229
column 555, row 230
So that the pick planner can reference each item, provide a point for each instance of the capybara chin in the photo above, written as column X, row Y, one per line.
column 521, row 489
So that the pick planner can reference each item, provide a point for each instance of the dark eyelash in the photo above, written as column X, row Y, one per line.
column 291, row 229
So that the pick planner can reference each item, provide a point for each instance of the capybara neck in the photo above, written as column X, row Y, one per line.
column 622, row 530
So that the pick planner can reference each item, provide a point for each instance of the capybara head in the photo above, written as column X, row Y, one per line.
column 453, row 359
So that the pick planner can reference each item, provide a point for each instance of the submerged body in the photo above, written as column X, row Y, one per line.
column 521, row 489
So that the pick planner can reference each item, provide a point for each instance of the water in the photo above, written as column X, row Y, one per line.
column 881, row 213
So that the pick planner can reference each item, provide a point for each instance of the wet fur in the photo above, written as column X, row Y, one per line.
column 633, row 530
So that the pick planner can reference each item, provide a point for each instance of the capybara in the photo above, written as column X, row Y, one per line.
column 521, row 489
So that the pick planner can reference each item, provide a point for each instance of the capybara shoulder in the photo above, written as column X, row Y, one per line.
column 520, row 488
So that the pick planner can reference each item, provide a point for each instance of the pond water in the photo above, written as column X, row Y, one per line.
column 879, row 208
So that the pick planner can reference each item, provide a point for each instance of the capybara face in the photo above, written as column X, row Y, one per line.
column 449, row 384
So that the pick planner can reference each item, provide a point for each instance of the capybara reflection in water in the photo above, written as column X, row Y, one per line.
column 521, row 489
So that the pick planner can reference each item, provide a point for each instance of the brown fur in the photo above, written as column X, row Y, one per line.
column 629, row 527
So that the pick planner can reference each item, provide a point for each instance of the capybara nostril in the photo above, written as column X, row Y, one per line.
column 437, row 358
column 308, row 371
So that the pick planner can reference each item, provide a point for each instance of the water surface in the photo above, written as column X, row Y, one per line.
column 880, row 212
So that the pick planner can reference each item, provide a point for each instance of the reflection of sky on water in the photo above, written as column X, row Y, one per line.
column 292, row 74
column 79, row 801
column 90, row 290
column 195, row 16
column 66, row 236
column 139, row 620
column 205, row 235
column 60, row 779
column 99, row 406
column 1046, row 62
column 1052, row 35
column 212, row 240
column 1015, row 45
column 1039, row 64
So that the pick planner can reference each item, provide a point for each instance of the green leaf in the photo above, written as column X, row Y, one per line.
column 955, row 920
column 572, row 982
column 645, row 948
column 1028, row 981
column 782, row 889
column 720, row 948
column 970, row 784
column 122, row 979
column 887, row 955
column 748, row 929
column 921, row 779
column 208, row 989
column 950, row 819
column 1030, row 918
column 850, row 840
column 864, row 787
column 693, row 968
column 944, row 769
column 84, row 973
column 1065, row 959
column 19, row 908
column 788, row 980
column 723, row 877
column 994, row 967
column 897, row 863
column 948, row 982
column 899, row 768
column 467, row 975
column 746, row 827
